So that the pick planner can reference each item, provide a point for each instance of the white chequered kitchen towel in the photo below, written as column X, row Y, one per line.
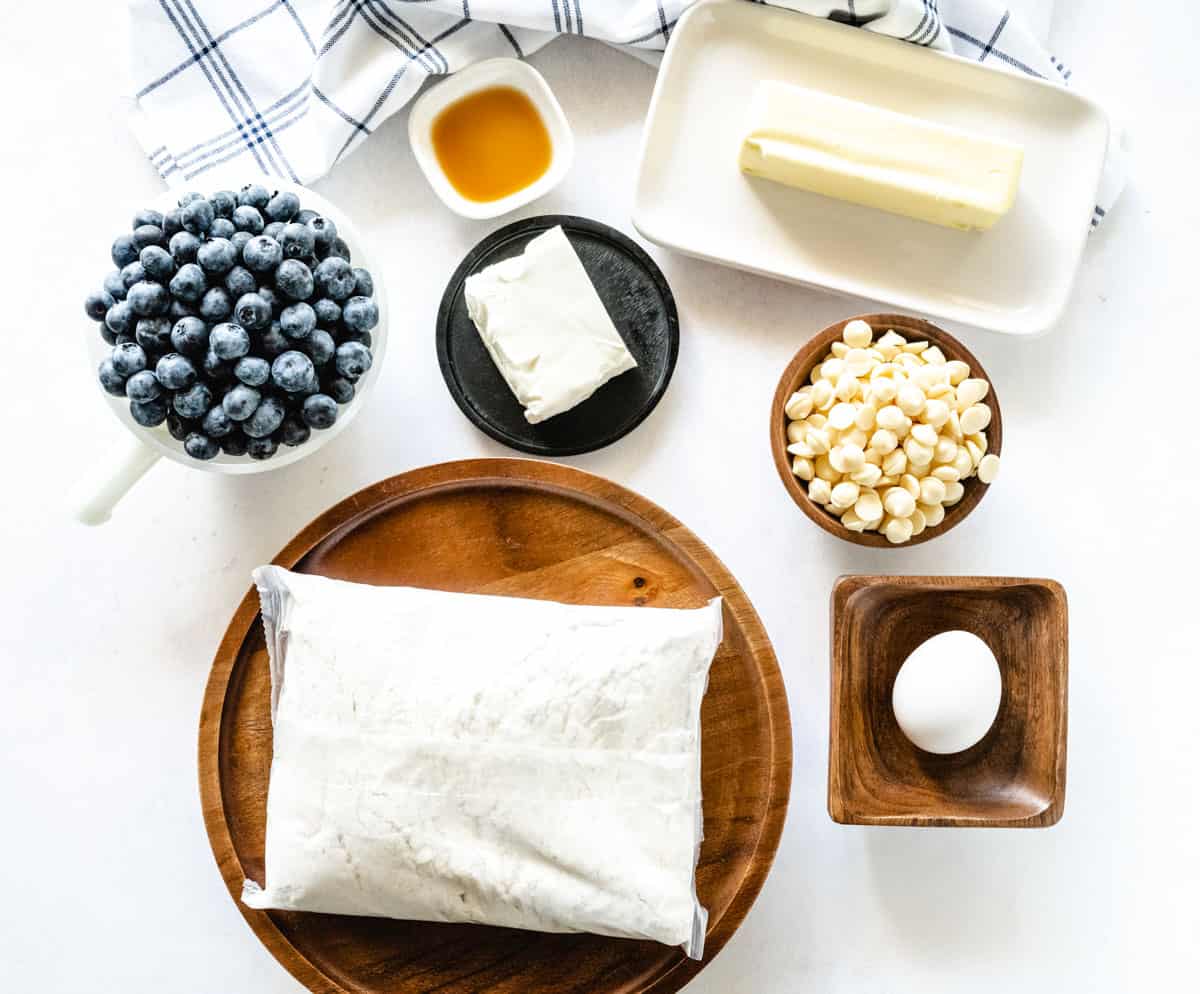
column 223, row 88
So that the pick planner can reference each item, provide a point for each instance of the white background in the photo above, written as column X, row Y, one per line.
column 106, row 879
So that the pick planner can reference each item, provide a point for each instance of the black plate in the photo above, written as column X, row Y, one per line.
column 637, row 299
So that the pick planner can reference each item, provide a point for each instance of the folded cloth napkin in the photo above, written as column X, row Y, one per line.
column 223, row 88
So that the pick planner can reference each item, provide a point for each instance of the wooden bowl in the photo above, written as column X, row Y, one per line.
column 796, row 375
column 1016, row 775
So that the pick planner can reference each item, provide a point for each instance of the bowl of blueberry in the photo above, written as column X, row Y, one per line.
column 237, row 332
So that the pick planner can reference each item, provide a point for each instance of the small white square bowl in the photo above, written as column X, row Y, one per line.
column 481, row 76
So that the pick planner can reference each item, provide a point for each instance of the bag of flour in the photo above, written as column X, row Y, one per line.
column 468, row 758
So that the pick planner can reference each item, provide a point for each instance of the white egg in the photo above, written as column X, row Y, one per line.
column 947, row 693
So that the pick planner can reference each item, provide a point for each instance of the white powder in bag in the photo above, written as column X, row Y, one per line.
column 470, row 758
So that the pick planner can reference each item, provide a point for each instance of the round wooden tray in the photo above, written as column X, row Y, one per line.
column 530, row 529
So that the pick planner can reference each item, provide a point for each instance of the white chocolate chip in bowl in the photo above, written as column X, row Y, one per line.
column 909, row 411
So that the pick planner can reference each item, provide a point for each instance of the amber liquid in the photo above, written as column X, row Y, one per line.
column 491, row 143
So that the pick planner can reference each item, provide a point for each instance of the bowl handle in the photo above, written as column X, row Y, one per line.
column 102, row 489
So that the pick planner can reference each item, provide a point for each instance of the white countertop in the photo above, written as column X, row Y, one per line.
column 108, row 881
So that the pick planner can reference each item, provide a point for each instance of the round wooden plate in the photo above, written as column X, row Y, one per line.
column 529, row 529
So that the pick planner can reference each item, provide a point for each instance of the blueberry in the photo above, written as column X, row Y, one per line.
column 363, row 338
column 334, row 278
column 192, row 402
column 319, row 346
column 319, row 411
column 273, row 341
column 297, row 241
column 216, row 423
column 339, row 249
column 247, row 218
column 153, row 335
column 329, row 312
column 107, row 334
column 180, row 309
column 294, row 431
column 252, row 312
column 151, row 413
column 304, row 216
column 97, row 303
column 189, row 283
column 262, row 253
column 217, row 255
column 143, row 386
column 229, row 341
column 266, row 418
column 189, row 336
column 340, row 389
column 222, row 227
column 240, row 240
column 128, row 359
column 360, row 314
column 282, row 206
column 179, row 428
column 200, row 446
column 241, row 401
column 261, row 448
column 135, row 272
column 294, row 279
column 175, row 372
column 272, row 299
column 252, row 370
column 234, row 444
column 274, row 229
column 114, row 285
column 120, row 319
column 364, row 285
column 147, row 216
column 297, row 320
column 196, row 216
column 216, row 305
column 352, row 360
column 239, row 280
column 112, row 381
column 147, row 234
column 183, row 247
column 254, row 194
column 157, row 263
column 148, row 298
column 311, row 387
column 124, row 251
column 324, row 232
column 291, row 371
column 172, row 222
column 223, row 203
column 187, row 198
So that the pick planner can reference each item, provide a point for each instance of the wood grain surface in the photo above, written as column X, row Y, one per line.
column 1015, row 776
column 531, row 529
column 814, row 351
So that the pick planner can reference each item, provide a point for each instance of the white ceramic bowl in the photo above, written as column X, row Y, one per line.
column 95, row 504
column 492, row 72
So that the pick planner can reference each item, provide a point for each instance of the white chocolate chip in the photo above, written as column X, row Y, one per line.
column 958, row 371
column 969, row 392
column 823, row 468
column 857, row 334
column 822, row 395
column 847, row 387
column 796, row 431
column 917, row 454
column 954, row 493
column 934, row 514
column 909, row 483
column 841, row 416
column 819, row 491
column 831, row 369
column 915, row 347
column 803, row 468
column 934, row 355
column 933, row 490
column 925, row 435
column 868, row 506
column 802, row 449
column 947, row 474
column 799, row 405
column 859, row 362
column 897, row 530
column 839, row 349
column 894, row 463
column 883, row 441
column 989, row 466
column 945, row 450
column 937, row 413
column 911, row 399
column 975, row 418
column 891, row 418
column 865, row 418
column 867, row 475
column 918, row 521
column 898, row 502
column 844, row 495
column 852, row 521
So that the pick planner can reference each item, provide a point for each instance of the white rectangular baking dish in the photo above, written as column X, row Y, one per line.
column 1015, row 278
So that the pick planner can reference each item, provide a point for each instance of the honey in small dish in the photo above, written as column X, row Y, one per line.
column 492, row 143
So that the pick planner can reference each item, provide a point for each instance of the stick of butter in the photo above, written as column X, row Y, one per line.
column 545, row 327
column 878, row 158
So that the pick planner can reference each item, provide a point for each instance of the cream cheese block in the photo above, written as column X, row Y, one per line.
column 545, row 327
column 867, row 155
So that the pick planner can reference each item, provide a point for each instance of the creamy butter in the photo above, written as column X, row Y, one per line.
column 878, row 158
column 545, row 327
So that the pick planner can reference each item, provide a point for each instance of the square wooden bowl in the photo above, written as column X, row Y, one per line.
column 1015, row 777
